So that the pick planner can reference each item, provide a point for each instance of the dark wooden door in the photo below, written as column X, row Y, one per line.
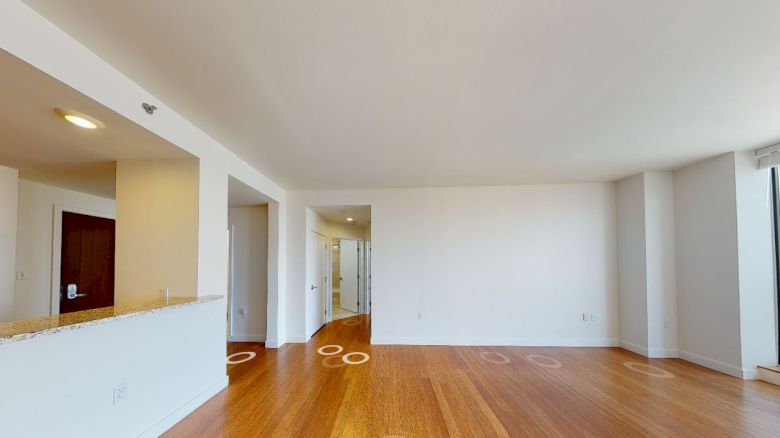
column 87, row 262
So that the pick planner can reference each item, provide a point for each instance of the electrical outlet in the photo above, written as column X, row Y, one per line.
column 120, row 393
column 593, row 317
column 667, row 323
column 20, row 275
column 420, row 315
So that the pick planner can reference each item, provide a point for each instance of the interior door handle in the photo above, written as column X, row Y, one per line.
column 313, row 287
column 71, row 292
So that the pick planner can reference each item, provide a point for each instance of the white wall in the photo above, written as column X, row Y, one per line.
column 485, row 265
column 157, row 230
column 250, row 273
column 757, row 306
column 660, row 256
column 9, row 196
column 62, row 384
column 707, row 264
column 646, row 259
column 34, row 250
column 632, row 263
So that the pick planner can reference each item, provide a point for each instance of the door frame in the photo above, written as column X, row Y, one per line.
column 56, row 248
column 312, row 243
column 230, row 282
column 366, row 307
column 359, row 243
column 774, row 179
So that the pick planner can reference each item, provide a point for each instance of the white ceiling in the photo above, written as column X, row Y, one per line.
column 340, row 213
column 404, row 93
column 46, row 148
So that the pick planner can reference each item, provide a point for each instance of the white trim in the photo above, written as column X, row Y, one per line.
column 499, row 342
column 748, row 374
column 298, row 339
column 329, row 286
column 273, row 343
column 712, row 364
column 769, row 376
column 56, row 248
column 653, row 353
column 186, row 409
column 246, row 338
column 661, row 353
column 634, row 348
column 231, row 280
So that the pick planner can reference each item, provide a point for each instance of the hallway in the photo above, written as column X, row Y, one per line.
column 417, row 391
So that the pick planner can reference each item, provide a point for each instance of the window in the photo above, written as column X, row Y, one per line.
column 775, row 189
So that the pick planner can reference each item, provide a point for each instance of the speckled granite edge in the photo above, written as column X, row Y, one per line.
column 16, row 331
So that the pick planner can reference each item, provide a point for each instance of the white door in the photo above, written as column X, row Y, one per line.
column 367, row 275
column 317, row 279
column 322, row 286
column 349, row 275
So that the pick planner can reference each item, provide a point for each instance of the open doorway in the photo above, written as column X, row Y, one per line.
column 247, row 280
column 346, row 230
column 345, row 288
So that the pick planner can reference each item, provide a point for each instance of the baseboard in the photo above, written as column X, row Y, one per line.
column 653, row 353
column 247, row 338
column 750, row 374
column 634, row 348
column 273, row 343
column 661, row 353
column 298, row 339
column 177, row 415
column 712, row 364
column 769, row 376
column 499, row 342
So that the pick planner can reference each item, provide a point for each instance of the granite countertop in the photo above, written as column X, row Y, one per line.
column 16, row 331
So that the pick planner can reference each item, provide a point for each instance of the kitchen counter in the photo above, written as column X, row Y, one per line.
column 16, row 331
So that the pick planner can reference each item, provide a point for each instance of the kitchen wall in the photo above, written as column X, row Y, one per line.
column 34, row 256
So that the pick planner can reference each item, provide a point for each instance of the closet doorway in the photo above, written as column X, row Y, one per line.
column 345, row 258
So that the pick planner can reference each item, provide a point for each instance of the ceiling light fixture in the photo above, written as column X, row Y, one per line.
column 79, row 119
column 350, row 219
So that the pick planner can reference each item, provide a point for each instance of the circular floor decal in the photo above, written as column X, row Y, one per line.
column 544, row 361
column 346, row 359
column 351, row 322
column 322, row 349
column 492, row 357
column 249, row 356
column 648, row 370
column 328, row 362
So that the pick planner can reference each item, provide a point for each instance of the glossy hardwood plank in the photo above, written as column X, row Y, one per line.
column 431, row 391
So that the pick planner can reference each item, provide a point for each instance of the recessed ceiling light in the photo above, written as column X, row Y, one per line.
column 350, row 219
column 80, row 119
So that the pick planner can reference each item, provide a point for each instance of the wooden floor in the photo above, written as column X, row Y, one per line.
column 452, row 391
